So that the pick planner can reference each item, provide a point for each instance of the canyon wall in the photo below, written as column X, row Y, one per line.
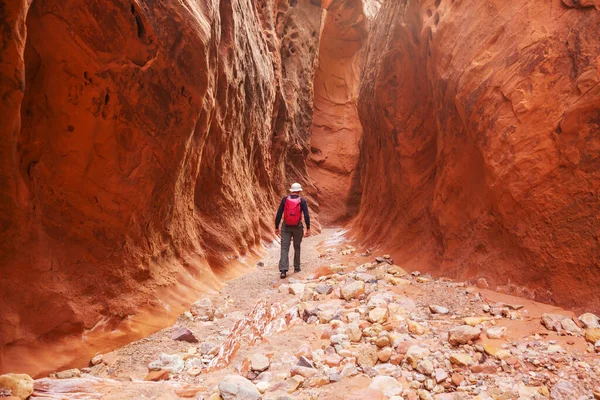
column 481, row 143
column 144, row 144
column 336, row 129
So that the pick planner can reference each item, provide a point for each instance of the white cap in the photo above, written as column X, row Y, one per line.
column 296, row 188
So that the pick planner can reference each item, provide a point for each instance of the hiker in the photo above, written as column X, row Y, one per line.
column 291, row 208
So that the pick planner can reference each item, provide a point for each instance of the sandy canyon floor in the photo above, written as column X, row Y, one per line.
column 350, row 325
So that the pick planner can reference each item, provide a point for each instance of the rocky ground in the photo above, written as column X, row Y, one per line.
column 351, row 325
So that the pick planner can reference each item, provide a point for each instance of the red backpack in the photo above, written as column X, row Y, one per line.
column 292, row 211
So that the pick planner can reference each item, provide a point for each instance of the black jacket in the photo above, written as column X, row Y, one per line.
column 303, row 206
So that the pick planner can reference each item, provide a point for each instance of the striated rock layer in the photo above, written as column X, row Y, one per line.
column 143, row 144
column 481, row 146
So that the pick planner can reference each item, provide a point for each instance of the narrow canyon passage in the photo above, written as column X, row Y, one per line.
column 146, row 145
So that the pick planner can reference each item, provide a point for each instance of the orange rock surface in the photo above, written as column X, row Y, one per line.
column 143, row 145
column 481, row 145
column 336, row 129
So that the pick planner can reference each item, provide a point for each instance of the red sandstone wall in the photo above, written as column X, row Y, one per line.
column 135, row 138
column 481, row 147
column 336, row 129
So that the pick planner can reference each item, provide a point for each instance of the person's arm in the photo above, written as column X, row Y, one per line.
column 279, row 214
column 304, row 206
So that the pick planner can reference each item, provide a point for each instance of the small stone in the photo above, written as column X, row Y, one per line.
column 435, row 309
column 496, row 332
column 305, row 362
column 366, row 356
column 97, row 359
column 68, row 374
column 415, row 328
column 184, row 334
column 17, row 385
column 204, row 309
column 297, row 288
column 463, row 335
column 338, row 339
column 385, row 354
column 263, row 386
column 474, row 321
column 155, row 376
column 592, row 335
column 457, row 379
column 259, row 362
column 415, row 353
column 425, row 367
column 378, row 315
column 323, row 288
column 416, row 273
column 284, row 289
column 440, row 375
column 461, row 359
column 379, row 260
column 589, row 320
column 552, row 322
column 563, row 390
column 354, row 333
column 353, row 290
column 303, row 371
column 168, row 362
column 386, row 385
column 334, row 377
column 571, row 327
column 235, row 387
column 382, row 341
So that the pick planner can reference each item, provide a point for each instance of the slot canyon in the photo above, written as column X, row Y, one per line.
column 146, row 145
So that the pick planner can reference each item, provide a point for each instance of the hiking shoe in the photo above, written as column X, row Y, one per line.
column 282, row 276
column 296, row 269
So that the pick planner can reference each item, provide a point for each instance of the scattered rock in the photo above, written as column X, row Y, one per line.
column 425, row 367
column 474, row 321
column 461, row 359
column 323, row 288
column 435, row 309
column 415, row 353
column 457, row 379
column 155, row 376
column 353, row 290
column 385, row 354
column 496, row 332
column 366, row 356
column 203, row 309
column 19, row 385
column 589, row 320
column 378, row 315
column 415, row 328
column 303, row 371
column 552, row 322
column 297, row 288
column 97, row 359
column 168, row 362
column 68, row 374
column 259, row 362
column 570, row 326
column 386, row 385
column 592, row 335
column 440, row 375
column 463, row 335
column 235, row 387
column 354, row 333
column 184, row 334
column 563, row 390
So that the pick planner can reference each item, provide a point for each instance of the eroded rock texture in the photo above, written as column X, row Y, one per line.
column 336, row 129
column 141, row 142
column 481, row 146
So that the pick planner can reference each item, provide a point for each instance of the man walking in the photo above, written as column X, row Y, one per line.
column 291, row 208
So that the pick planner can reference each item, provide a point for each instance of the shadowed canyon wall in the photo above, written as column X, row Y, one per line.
column 144, row 144
column 336, row 129
column 481, row 142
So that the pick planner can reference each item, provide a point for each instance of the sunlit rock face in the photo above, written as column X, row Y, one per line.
column 481, row 142
column 336, row 129
column 144, row 144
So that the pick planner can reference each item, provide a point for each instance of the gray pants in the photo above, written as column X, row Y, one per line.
column 287, row 233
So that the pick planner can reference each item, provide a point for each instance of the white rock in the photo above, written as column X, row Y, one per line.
column 235, row 387
column 435, row 309
column 297, row 288
column 415, row 353
column 386, row 385
column 496, row 332
column 352, row 290
column 589, row 320
column 259, row 362
column 168, row 362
